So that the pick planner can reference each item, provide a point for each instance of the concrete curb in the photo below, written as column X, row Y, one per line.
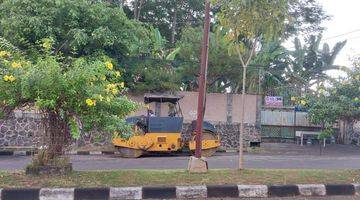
column 28, row 153
column 181, row 192
column 57, row 193
column 15, row 153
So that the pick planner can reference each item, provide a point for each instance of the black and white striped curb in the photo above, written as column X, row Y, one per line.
column 181, row 192
column 15, row 153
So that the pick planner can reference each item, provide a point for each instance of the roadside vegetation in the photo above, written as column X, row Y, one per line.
column 178, row 177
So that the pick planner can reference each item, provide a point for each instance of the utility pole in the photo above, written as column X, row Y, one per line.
column 202, row 79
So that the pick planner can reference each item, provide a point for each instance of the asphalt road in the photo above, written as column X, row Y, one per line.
column 221, row 160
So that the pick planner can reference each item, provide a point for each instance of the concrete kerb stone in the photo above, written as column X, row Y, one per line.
column 125, row 193
column 340, row 189
column 222, row 191
column 191, row 192
column 57, row 193
column 91, row 193
column 95, row 152
column 159, row 192
column 312, row 189
column 283, row 190
column 20, row 193
column 20, row 153
column 253, row 191
column 357, row 189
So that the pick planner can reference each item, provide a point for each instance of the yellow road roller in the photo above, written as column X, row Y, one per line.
column 155, row 134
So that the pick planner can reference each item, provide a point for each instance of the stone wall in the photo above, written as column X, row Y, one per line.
column 21, row 129
column 353, row 133
column 25, row 130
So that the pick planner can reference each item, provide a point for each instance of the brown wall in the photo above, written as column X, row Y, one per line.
column 216, row 107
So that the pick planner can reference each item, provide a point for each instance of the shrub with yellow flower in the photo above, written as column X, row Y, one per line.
column 70, row 91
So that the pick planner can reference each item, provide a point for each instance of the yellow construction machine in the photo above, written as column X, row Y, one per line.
column 154, row 134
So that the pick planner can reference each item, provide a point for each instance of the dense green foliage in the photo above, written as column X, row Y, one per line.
column 169, row 16
column 75, row 27
column 340, row 101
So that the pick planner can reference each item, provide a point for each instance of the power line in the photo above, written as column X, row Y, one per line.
column 347, row 33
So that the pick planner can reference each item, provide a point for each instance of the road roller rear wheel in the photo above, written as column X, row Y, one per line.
column 130, row 153
column 207, row 136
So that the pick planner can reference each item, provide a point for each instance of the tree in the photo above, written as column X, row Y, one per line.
column 247, row 23
column 169, row 16
column 154, row 71
column 222, row 70
column 75, row 27
column 73, row 95
column 308, row 64
column 339, row 101
column 307, row 18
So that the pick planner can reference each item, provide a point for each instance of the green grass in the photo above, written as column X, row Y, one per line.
column 178, row 177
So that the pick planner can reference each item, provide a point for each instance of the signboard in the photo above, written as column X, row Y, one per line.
column 274, row 101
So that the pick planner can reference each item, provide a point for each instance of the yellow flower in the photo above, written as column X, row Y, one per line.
column 117, row 74
column 122, row 84
column 302, row 102
column 90, row 102
column 4, row 54
column 47, row 44
column 15, row 65
column 6, row 78
column 103, row 78
column 10, row 78
column 100, row 97
column 110, row 87
column 109, row 65
column 108, row 99
column 293, row 98
column 114, row 91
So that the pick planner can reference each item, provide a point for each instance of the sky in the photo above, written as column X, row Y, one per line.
column 343, row 25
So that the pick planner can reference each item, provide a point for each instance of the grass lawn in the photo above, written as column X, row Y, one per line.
column 178, row 177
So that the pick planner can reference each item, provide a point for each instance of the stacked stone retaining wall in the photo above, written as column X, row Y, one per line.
column 24, row 129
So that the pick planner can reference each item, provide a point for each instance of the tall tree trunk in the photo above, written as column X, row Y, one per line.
column 139, row 9
column 174, row 23
column 242, row 121
column 135, row 9
column 57, row 132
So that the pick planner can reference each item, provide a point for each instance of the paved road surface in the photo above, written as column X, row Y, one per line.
column 221, row 160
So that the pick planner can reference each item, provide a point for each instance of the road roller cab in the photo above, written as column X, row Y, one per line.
column 161, row 133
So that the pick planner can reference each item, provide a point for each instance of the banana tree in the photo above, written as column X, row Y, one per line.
column 309, row 63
